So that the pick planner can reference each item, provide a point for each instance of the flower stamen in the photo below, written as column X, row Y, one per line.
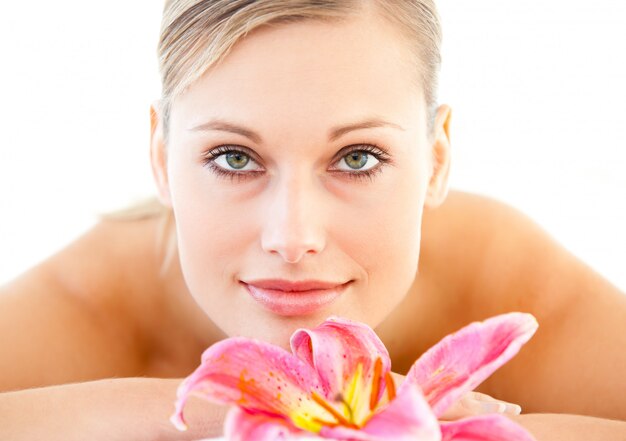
column 328, row 407
column 325, row 423
column 342, row 400
column 391, row 386
column 378, row 367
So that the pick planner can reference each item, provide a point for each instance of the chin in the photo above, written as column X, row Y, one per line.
column 276, row 329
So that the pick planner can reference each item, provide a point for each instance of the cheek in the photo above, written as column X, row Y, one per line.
column 212, row 230
column 207, row 211
column 392, row 236
column 386, row 241
column 205, row 244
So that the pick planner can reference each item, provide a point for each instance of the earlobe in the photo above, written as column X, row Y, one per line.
column 158, row 155
column 440, row 151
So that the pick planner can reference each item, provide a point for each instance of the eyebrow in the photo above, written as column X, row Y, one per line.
column 333, row 134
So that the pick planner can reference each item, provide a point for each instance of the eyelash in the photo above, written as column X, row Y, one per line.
column 381, row 155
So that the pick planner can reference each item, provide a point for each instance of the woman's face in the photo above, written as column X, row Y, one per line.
column 334, row 171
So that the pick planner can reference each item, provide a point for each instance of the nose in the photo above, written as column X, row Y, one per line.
column 293, row 224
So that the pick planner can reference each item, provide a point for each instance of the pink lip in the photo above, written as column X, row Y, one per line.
column 294, row 298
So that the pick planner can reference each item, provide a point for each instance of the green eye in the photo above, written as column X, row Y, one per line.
column 237, row 160
column 356, row 160
column 360, row 160
column 235, row 163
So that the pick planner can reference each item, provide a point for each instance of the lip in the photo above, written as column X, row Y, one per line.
column 287, row 285
column 288, row 298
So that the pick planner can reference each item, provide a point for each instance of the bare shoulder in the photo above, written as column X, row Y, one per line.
column 502, row 261
column 492, row 253
column 69, row 318
column 109, row 259
column 458, row 280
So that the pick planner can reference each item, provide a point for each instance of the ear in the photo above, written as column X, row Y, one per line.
column 440, row 152
column 158, row 154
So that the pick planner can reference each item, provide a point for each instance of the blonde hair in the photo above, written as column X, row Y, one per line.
column 197, row 34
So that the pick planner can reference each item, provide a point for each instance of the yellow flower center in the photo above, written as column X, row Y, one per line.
column 352, row 414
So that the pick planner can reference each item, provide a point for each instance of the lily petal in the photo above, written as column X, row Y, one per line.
column 241, row 425
column 491, row 427
column 408, row 417
column 252, row 374
column 336, row 347
column 463, row 360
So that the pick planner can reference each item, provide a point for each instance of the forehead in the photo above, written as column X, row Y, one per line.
column 308, row 73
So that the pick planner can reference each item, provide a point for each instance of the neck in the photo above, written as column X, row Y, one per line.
column 185, row 331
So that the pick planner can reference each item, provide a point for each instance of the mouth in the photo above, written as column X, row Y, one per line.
column 290, row 301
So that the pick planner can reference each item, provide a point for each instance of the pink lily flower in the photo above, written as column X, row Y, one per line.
column 336, row 384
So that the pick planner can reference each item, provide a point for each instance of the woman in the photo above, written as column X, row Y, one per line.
column 299, row 142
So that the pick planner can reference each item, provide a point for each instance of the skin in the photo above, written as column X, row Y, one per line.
column 423, row 265
column 311, row 219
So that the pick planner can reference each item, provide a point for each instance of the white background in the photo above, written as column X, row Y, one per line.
column 538, row 90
